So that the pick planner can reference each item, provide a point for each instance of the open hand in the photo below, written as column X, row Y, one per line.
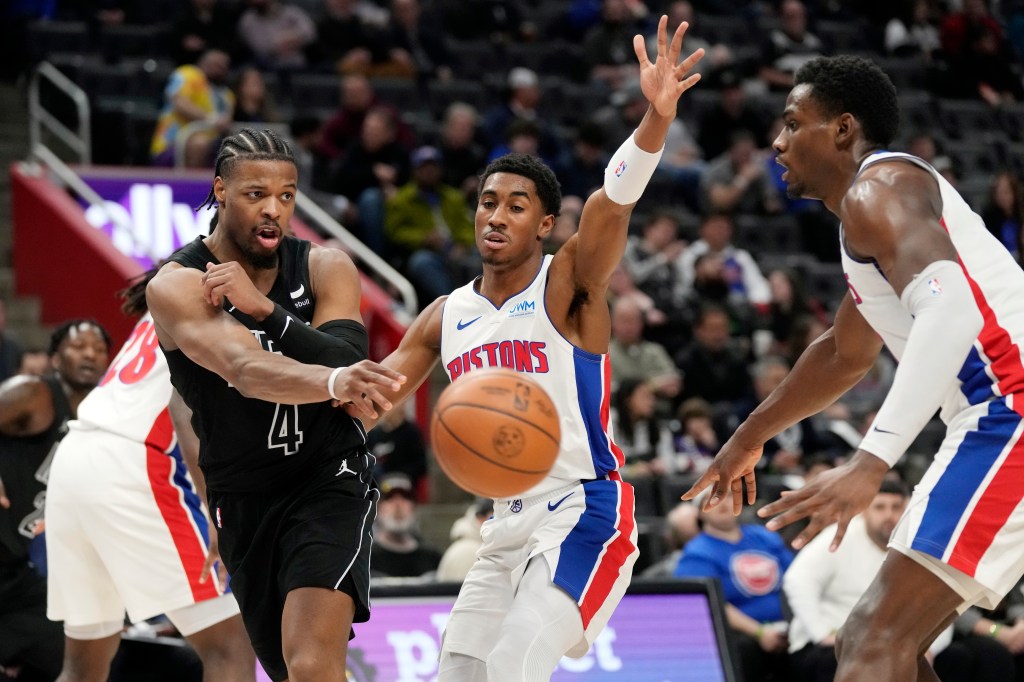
column 213, row 559
column 733, row 466
column 664, row 80
column 835, row 496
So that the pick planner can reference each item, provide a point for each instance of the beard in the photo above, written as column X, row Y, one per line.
column 259, row 259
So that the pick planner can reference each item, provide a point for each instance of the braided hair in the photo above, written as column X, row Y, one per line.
column 247, row 145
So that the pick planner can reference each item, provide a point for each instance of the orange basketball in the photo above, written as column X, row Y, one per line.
column 495, row 432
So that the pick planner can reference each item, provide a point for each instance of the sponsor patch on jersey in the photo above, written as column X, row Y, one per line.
column 755, row 573
column 523, row 309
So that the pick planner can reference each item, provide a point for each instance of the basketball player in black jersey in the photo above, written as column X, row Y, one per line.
column 33, row 414
column 288, row 476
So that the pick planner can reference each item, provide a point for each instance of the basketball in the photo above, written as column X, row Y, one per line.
column 495, row 432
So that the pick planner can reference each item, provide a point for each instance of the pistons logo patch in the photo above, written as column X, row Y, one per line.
column 754, row 573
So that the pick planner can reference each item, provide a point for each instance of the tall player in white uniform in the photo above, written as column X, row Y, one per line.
column 927, row 280
column 125, row 530
column 556, row 561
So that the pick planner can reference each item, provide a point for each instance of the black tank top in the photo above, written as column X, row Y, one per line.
column 245, row 444
column 25, row 469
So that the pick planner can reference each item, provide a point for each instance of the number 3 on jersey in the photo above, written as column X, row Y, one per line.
column 284, row 431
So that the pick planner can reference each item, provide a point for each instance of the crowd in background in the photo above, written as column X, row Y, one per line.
column 725, row 280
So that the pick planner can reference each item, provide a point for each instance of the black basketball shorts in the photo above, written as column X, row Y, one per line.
column 316, row 533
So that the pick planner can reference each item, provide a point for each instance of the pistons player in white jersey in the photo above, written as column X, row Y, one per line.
column 125, row 527
column 555, row 561
column 927, row 280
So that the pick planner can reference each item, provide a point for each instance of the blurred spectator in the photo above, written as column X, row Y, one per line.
column 35, row 362
column 415, row 44
column 788, row 47
column 465, row 534
column 584, row 171
column 743, row 274
column 1003, row 624
column 567, row 223
column 644, row 437
column 912, row 32
column 789, row 302
column 636, row 359
column 653, row 261
column 716, row 57
column 307, row 132
column 34, row 412
column 496, row 21
column 430, row 229
column 732, row 113
column 398, row 551
column 345, row 126
column 608, row 47
column 522, row 102
column 696, row 442
column 344, row 40
column 204, row 25
column 1004, row 212
column 923, row 144
column 750, row 562
column 11, row 351
column 464, row 156
column 680, row 527
column 194, row 93
column 522, row 137
column 370, row 173
column 980, row 61
column 276, row 34
column 397, row 444
column 823, row 586
column 714, row 367
column 254, row 104
column 737, row 181
column 785, row 452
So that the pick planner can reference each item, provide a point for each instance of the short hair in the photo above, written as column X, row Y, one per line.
column 892, row 487
column 248, row 145
column 548, row 190
column 73, row 326
column 858, row 86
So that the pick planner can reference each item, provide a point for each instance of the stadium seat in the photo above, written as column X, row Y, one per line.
column 471, row 58
column 47, row 37
column 966, row 118
column 767, row 234
column 443, row 93
column 315, row 90
column 133, row 40
column 971, row 158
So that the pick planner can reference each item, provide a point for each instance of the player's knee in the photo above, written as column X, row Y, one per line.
column 523, row 658
column 314, row 665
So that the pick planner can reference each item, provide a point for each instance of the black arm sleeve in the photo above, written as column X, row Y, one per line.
column 338, row 343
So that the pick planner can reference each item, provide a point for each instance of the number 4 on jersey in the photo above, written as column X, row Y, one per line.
column 284, row 431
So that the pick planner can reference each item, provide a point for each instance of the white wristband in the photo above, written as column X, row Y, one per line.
column 629, row 171
column 330, row 382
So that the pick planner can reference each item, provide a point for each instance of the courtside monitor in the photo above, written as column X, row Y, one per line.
column 664, row 631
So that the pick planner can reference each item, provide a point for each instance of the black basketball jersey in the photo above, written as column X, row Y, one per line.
column 25, row 469
column 250, row 445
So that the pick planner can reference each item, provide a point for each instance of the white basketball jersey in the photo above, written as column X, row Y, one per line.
column 993, row 367
column 520, row 336
column 131, row 398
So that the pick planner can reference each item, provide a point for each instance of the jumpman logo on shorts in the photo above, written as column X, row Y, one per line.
column 344, row 469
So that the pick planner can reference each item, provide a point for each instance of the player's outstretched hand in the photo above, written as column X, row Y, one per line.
column 229, row 280
column 733, row 466
column 665, row 79
column 835, row 496
column 359, row 386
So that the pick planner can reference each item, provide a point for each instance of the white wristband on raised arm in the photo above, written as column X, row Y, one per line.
column 629, row 171
column 330, row 382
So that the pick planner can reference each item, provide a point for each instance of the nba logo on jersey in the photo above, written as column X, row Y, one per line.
column 516, row 506
column 935, row 287
column 620, row 169
column 218, row 518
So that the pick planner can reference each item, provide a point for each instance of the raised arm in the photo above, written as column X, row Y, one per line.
column 601, row 240
column 216, row 341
